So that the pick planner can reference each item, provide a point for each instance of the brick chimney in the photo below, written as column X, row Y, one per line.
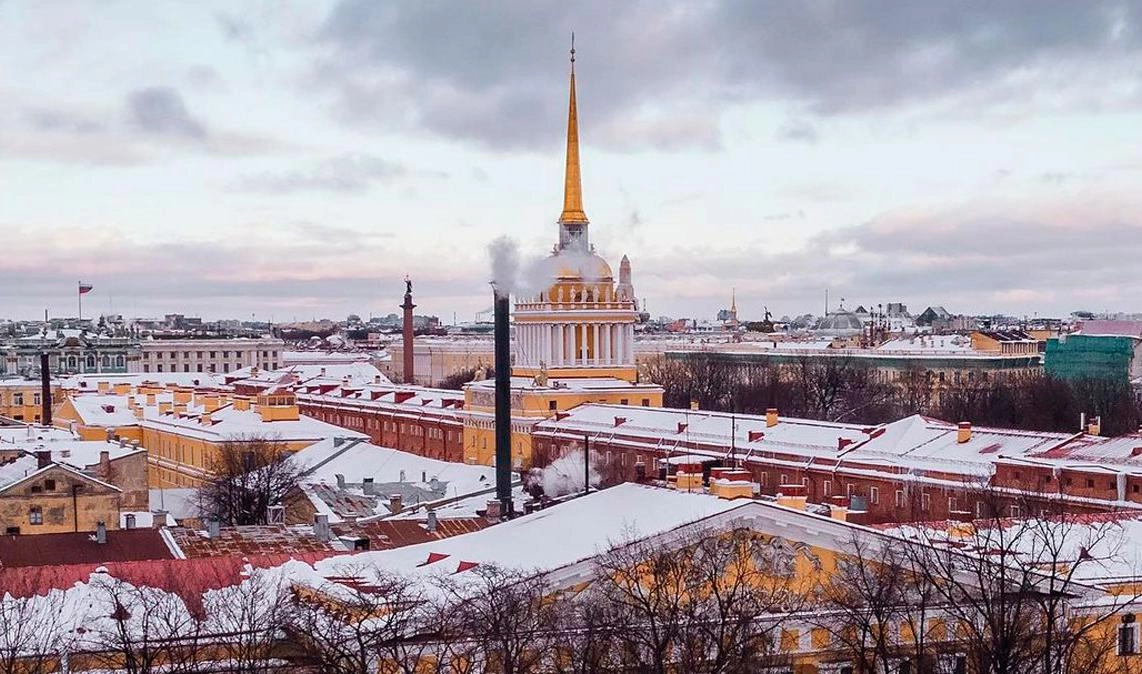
column 43, row 458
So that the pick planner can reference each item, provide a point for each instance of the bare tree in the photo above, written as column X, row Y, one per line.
column 505, row 615
column 247, row 476
column 31, row 627
column 140, row 629
column 1008, row 586
column 362, row 617
column 245, row 622
column 704, row 606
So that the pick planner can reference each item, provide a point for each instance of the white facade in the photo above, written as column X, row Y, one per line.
column 208, row 355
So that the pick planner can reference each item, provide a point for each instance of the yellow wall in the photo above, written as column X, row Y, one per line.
column 59, row 511
column 22, row 402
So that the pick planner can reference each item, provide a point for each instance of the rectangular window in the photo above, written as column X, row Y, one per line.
column 849, row 490
column 35, row 515
column 1015, row 511
column 35, row 398
column 1128, row 638
column 646, row 402
column 49, row 485
column 925, row 502
column 827, row 487
column 874, row 495
column 952, row 504
column 624, row 401
column 899, row 498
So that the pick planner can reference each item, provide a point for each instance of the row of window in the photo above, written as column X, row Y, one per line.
column 158, row 355
column 199, row 367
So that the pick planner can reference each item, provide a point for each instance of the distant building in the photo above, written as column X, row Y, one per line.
column 69, row 351
column 932, row 315
column 208, row 355
column 1081, row 356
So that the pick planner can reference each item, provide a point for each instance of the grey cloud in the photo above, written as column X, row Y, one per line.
column 495, row 74
column 799, row 130
column 61, row 121
column 346, row 173
column 234, row 28
column 161, row 111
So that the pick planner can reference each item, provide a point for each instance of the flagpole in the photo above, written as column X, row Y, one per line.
column 79, row 288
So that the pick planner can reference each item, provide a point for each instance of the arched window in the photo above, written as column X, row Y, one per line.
column 90, row 360
column 119, row 360
column 71, row 362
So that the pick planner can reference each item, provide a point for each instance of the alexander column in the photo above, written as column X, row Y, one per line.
column 408, row 306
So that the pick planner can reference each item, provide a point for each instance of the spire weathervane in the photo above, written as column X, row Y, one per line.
column 572, row 185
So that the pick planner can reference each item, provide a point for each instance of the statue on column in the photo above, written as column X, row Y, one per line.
column 407, row 285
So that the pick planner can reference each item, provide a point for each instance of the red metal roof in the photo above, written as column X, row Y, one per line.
column 123, row 545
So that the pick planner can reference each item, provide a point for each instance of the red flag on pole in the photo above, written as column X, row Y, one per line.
column 84, row 288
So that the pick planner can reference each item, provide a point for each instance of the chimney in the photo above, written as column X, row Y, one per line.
column 45, row 390
column 431, row 523
column 771, row 417
column 407, row 333
column 213, row 529
column 150, row 399
column 368, row 486
column 321, row 530
column 1095, row 426
column 104, row 470
column 395, row 505
column 963, row 432
column 321, row 372
column 129, row 521
column 158, row 519
column 503, row 414
column 103, row 386
column 340, row 480
column 494, row 512
column 377, row 379
column 43, row 458
column 100, row 532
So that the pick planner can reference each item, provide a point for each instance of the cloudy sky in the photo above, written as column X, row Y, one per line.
column 296, row 159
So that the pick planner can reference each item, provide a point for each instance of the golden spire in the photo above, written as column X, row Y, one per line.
column 572, row 183
column 734, row 300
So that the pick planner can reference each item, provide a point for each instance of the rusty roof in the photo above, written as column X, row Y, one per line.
column 123, row 545
column 280, row 539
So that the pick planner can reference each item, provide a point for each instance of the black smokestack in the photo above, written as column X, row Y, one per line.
column 45, row 390
column 503, row 404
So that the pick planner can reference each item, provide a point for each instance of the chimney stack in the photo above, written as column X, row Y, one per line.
column 43, row 458
column 213, row 529
column 431, row 523
column 963, row 432
column 45, row 390
column 321, row 530
column 368, row 486
column 503, row 417
column 771, row 417
column 100, row 532
column 395, row 503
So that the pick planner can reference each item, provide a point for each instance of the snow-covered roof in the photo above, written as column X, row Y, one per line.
column 356, row 461
column 550, row 538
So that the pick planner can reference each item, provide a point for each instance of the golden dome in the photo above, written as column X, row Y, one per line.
column 567, row 265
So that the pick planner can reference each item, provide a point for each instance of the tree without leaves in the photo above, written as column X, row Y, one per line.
column 504, row 616
column 1008, row 585
column 247, row 476
column 140, row 629
column 31, row 627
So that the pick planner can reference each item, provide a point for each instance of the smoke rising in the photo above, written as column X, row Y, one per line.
column 505, row 265
column 565, row 476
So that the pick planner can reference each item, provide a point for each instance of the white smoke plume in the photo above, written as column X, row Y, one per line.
column 565, row 475
column 505, row 265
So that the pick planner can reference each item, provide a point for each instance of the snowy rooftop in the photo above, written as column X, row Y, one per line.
column 551, row 538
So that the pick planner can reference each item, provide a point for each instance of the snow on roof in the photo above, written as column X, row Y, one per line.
column 106, row 409
column 233, row 424
column 548, row 539
column 20, row 434
column 356, row 461
column 191, row 379
column 928, row 344
column 17, row 470
column 918, row 442
column 324, row 357
column 665, row 428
